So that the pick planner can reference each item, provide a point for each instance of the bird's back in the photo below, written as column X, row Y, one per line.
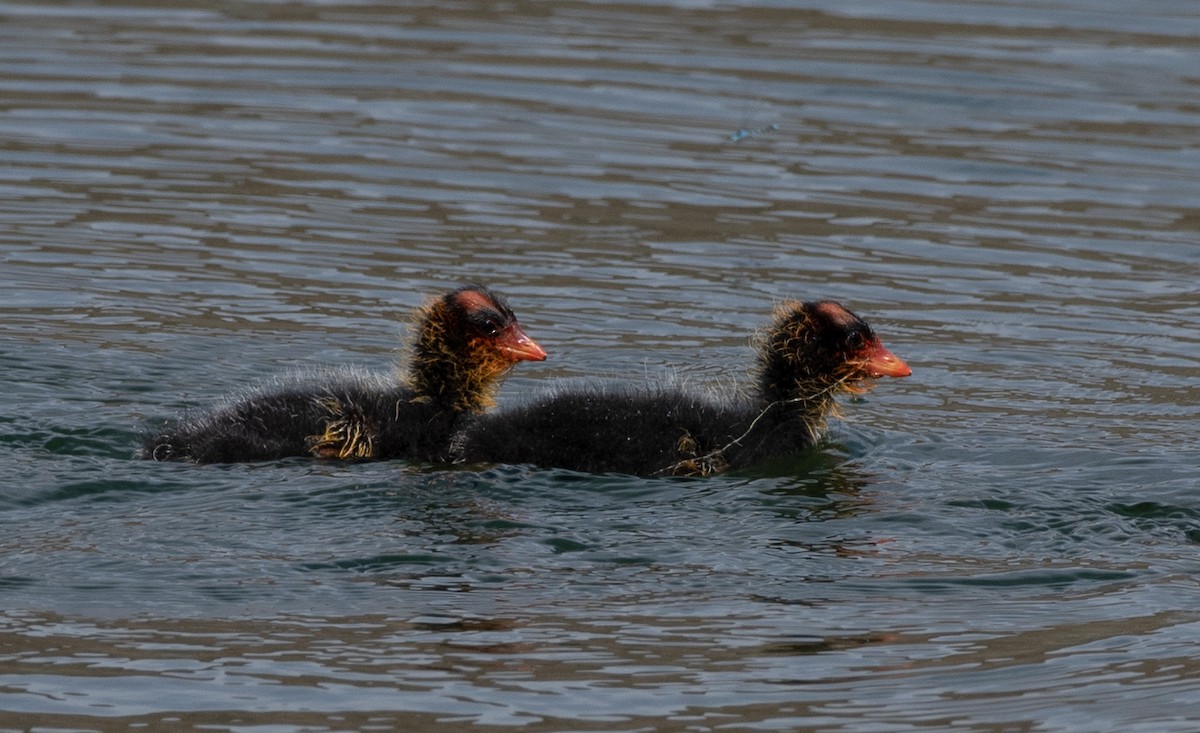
column 646, row 431
column 344, row 415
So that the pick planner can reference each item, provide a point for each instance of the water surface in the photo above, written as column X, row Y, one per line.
column 195, row 200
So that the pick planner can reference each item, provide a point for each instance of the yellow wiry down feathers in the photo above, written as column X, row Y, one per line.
column 348, row 434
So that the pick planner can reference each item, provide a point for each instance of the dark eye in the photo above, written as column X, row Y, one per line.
column 491, row 327
column 855, row 341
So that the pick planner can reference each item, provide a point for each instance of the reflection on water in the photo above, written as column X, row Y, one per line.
column 195, row 199
column 624, row 674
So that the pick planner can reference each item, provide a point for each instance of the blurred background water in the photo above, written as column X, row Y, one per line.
column 195, row 199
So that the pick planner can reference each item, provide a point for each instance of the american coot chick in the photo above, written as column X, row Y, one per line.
column 810, row 354
column 467, row 341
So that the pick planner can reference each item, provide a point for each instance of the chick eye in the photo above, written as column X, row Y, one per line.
column 491, row 327
column 855, row 341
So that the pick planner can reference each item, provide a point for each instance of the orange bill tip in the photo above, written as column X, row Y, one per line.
column 883, row 363
column 520, row 347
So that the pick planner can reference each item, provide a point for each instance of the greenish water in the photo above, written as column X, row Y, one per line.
column 196, row 200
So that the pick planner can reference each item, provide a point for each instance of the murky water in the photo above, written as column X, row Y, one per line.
column 193, row 200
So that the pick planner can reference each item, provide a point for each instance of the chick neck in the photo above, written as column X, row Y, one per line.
column 451, row 367
column 800, row 374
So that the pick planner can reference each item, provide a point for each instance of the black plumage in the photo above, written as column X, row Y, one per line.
column 467, row 340
column 812, row 352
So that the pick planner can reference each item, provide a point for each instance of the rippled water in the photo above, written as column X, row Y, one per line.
column 194, row 199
